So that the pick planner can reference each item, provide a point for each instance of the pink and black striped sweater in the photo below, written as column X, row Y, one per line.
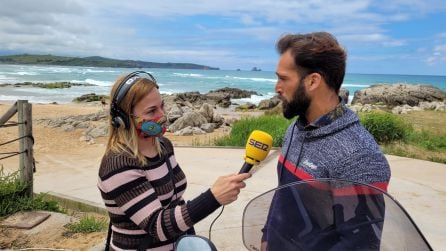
column 143, row 204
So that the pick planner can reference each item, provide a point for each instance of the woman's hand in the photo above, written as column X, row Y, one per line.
column 226, row 188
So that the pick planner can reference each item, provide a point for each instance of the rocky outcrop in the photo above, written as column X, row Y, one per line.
column 94, row 125
column 401, row 109
column 235, row 92
column 398, row 94
column 434, row 106
column 196, row 99
column 90, row 98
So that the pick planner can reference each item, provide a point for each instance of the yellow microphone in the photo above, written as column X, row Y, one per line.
column 257, row 148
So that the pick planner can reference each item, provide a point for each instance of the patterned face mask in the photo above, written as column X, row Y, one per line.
column 150, row 127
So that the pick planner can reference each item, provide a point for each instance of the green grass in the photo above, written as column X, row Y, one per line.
column 428, row 140
column 13, row 198
column 87, row 224
column 275, row 125
column 421, row 135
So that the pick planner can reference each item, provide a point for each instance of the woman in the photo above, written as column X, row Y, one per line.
column 140, row 180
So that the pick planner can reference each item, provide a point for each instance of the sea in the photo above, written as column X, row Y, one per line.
column 170, row 81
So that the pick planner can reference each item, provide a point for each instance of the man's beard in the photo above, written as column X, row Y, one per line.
column 299, row 103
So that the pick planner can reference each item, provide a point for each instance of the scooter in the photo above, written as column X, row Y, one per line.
column 322, row 214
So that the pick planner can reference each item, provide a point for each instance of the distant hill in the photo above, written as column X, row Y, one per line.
column 94, row 62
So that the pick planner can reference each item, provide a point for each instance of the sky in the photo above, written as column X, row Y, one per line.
column 380, row 36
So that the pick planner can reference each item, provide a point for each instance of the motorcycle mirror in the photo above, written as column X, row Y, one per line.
column 194, row 242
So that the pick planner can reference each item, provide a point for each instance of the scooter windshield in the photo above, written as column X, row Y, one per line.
column 329, row 214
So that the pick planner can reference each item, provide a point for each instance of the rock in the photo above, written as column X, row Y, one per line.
column 207, row 111
column 219, row 98
column 398, row 94
column 208, row 127
column 89, row 98
column 267, row 104
column 189, row 130
column 403, row 109
column 343, row 93
column 218, row 120
column 68, row 128
column 364, row 108
column 235, row 92
column 174, row 113
column 247, row 106
column 189, row 119
column 436, row 106
column 97, row 131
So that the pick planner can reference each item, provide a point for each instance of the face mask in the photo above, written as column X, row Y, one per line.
column 150, row 127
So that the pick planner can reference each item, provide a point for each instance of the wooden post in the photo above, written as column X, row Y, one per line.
column 24, row 110
column 11, row 112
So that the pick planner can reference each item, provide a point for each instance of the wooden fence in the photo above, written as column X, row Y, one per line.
column 25, row 137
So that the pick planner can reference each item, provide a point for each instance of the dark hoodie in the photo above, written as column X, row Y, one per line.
column 339, row 148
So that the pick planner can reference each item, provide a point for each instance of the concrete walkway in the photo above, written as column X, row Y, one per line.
column 418, row 185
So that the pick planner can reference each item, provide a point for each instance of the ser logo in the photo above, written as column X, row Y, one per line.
column 258, row 144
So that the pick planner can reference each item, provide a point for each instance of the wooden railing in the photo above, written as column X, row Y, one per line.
column 25, row 138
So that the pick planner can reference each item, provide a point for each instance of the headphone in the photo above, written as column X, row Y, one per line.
column 118, row 116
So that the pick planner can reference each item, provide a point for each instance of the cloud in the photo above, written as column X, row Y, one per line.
column 372, row 38
column 438, row 55
column 201, row 31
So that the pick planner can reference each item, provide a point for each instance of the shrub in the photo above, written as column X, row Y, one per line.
column 385, row 127
column 13, row 198
column 274, row 125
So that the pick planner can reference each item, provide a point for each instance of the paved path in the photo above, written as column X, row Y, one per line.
column 418, row 185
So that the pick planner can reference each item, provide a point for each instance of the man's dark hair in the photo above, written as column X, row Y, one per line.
column 317, row 52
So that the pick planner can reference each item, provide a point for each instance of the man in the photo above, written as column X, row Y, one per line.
column 326, row 141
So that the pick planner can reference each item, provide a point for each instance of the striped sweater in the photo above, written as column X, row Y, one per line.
column 143, row 204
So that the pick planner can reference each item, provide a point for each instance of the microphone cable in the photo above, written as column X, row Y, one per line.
column 216, row 218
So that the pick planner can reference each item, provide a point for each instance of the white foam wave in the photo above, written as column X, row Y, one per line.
column 4, row 78
column 24, row 73
column 97, row 71
column 34, row 99
column 355, row 85
column 167, row 92
column 187, row 74
column 93, row 82
column 254, row 99
column 257, row 79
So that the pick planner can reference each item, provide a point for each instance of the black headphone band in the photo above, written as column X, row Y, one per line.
column 118, row 115
column 127, row 83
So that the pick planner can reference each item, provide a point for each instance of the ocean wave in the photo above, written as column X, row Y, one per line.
column 187, row 74
column 93, row 82
column 254, row 99
column 34, row 99
column 5, row 78
column 84, row 71
column 257, row 79
column 167, row 92
column 24, row 73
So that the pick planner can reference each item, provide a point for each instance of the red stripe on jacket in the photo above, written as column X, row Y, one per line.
column 354, row 189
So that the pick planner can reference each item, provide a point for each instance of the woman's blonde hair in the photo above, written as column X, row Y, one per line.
column 126, row 140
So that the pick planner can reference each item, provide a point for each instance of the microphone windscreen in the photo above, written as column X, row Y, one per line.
column 258, row 146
